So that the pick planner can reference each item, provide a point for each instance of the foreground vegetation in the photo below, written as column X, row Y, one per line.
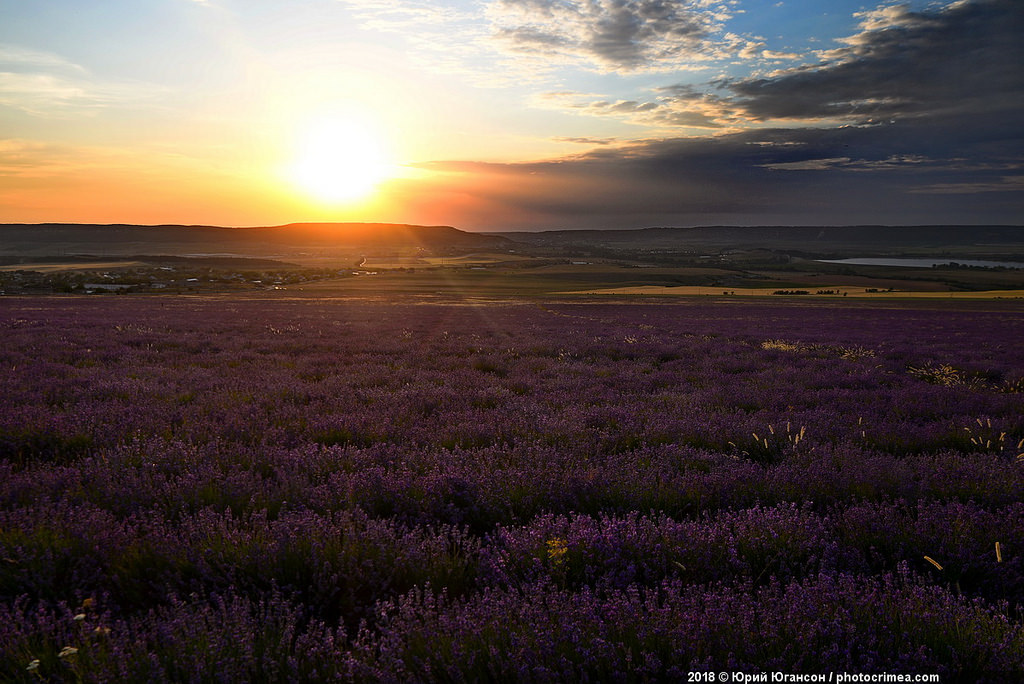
column 269, row 489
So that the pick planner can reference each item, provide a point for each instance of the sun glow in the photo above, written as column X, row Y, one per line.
column 340, row 160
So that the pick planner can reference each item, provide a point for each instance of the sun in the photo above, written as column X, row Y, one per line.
column 340, row 160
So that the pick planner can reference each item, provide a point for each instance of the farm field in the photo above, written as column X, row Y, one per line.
column 533, row 272
column 830, row 291
column 282, row 487
column 58, row 266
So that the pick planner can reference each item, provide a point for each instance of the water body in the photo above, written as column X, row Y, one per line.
column 922, row 263
column 209, row 255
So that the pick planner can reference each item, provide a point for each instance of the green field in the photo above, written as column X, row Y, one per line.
column 494, row 273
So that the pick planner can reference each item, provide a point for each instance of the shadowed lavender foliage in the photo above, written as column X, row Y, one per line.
column 280, row 489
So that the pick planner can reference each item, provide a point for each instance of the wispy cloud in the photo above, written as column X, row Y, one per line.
column 47, row 85
column 403, row 15
column 586, row 141
column 670, row 108
column 43, row 94
column 24, row 160
column 893, row 162
column 18, row 57
column 440, row 37
column 1013, row 184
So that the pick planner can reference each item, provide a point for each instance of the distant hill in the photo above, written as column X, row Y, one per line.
column 305, row 239
column 63, row 239
column 867, row 240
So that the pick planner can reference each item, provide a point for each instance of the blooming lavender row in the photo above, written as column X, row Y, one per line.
column 288, row 489
column 340, row 564
column 539, row 633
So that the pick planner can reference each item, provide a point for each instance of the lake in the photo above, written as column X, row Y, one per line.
column 922, row 263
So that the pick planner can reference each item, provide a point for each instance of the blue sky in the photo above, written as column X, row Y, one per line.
column 515, row 114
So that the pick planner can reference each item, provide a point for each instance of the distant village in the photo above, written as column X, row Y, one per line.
column 170, row 279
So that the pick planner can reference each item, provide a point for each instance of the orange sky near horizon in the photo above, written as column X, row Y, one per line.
column 97, row 189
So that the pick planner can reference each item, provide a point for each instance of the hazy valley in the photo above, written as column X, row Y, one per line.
column 366, row 258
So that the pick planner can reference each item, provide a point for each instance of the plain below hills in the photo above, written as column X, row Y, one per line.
column 352, row 258
column 962, row 241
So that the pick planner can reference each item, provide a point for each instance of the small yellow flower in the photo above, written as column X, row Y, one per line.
column 79, row 617
column 557, row 549
column 88, row 603
column 33, row 666
column 67, row 652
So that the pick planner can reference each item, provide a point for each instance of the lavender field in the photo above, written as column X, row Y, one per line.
column 246, row 490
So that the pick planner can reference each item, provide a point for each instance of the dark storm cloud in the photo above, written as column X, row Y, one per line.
column 965, row 58
column 899, row 173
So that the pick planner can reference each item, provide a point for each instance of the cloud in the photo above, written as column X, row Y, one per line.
column 43, row 94
column 586, row 141
column 24, row 158
column 904, row 172
column 670, row 108
column 428, row 29
column 532, row 38
column 667, row 109
column 895, row 161
column 955, row 61
column 402, row 15
column 916, row 118
column 47, row 85
column 615, row 35
column 809, row 164
column 964, row 57
column 16, row 57
column 778, row 56
column 37, row 163
column 1004, row 184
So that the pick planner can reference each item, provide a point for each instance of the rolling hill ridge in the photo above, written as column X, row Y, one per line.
column 63, row 239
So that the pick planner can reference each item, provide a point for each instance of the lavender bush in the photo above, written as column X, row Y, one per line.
column 280, row 489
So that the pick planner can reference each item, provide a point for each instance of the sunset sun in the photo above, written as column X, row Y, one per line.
column 340, row 160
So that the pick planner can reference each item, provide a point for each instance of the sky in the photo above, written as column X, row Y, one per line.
column 512, row 114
